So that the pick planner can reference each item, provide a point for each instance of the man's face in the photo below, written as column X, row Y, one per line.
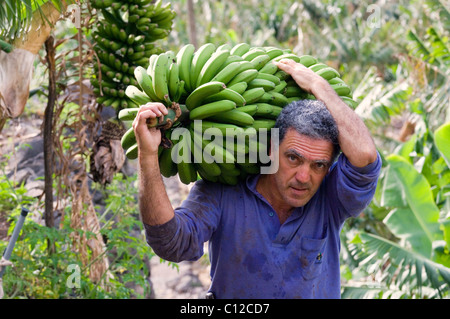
column 303, row 164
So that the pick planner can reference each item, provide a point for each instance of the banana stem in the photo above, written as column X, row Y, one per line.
column 6, row 47
column 176, row 113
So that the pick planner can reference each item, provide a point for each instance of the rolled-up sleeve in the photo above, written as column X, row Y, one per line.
column 182, row 237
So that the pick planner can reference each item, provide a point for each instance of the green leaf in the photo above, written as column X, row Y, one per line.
column 410, row 267
column 417, row 223
column 392, row 194
column 442, row 141
column 445, row 227
column 403, row 226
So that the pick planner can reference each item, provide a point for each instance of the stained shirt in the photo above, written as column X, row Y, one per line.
column 254, row 256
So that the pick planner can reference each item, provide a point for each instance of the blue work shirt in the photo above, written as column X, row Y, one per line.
column 254, row 256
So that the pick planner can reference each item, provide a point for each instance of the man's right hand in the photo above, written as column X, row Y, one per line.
column 148, row 139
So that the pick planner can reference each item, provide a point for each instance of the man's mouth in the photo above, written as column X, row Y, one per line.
column 299, row 190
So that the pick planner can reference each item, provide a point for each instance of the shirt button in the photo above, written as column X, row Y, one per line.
column 271, row 214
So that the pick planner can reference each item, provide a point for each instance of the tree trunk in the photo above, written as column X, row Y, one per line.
column 191, row 18
column 48, row 132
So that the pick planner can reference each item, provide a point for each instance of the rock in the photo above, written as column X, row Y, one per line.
column 35, row 188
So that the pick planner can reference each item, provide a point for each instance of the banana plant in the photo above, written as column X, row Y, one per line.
column 413, row 192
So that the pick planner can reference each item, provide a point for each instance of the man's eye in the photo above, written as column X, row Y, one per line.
column 320, row 166
column 291, row 157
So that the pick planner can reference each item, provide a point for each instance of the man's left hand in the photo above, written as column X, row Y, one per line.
column 305, row 78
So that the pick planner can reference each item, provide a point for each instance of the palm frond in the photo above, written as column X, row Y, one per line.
column 439, row 46
column 16, row 16
column 417, row 47
column 401, row 266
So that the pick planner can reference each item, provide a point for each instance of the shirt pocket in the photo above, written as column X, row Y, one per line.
column 312, row 259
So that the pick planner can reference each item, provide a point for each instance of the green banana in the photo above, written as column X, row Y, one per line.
column 260, row 61
column 268, row 68
column 229, row 170
column 349, row 101
column 307, row 60
column 249, row 168
column 281, row 75
column 159, row 79
column 151, row 65
column 280, row 88
column 336, row 80
column 276, row 111
column 244, row 76
column 203, row 160
column 273, row 52
column 221, row 154
column 239, row 87
column 203, row 91
column 263, row 124
column 253, row 53
column 211, row 109
column 225, row 128
column 167, row 167
column 262, row 83
column 328, row 73
column 204, row 175
column 269, row 77
column 279, row 99
column 235, row 116
column 226, row 47
column 137, row 95
column 212, row 66
column 186, row 169
column 248, row 108
column 263, row 109
column 226, row 94
column 128, row 114
column 318, row 66
column 146, row 83
column 174, row 81
column 199, row 59
column 296, row 91
column 233, row 58
column 128, row 139
column 290, row 56
column 240, row 49
column 341, row 89
column 132, row 152
column 245, row 65
column 227, row 73
column 253, row 95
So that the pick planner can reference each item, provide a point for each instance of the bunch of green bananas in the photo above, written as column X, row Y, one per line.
column 125, row 38
column 227, row 87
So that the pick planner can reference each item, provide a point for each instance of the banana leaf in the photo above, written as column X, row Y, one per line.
column 406, row 267
column 442, row 140
column 416, row 215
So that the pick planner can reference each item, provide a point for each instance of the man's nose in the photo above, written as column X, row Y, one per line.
column 303, row 174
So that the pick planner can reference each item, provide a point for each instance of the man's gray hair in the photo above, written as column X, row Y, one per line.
column 310, row 118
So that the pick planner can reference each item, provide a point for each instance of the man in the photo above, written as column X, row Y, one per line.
column 275, row 235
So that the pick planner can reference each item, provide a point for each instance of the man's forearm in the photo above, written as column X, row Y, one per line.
column 154, row 204
column 354, row 137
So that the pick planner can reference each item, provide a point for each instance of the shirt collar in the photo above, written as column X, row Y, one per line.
column 251, row 182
